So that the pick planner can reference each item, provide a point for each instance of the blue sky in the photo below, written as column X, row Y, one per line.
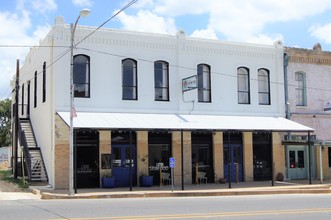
column 297, row 23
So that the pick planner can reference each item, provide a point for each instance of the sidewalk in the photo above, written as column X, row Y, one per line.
column 212, row 189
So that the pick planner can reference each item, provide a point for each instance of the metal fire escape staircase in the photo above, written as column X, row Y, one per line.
column 34, row 162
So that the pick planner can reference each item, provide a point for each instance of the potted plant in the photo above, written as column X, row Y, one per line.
column 144, row 179
column 108, row 181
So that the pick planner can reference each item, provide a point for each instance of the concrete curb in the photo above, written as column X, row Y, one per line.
column 188, row 193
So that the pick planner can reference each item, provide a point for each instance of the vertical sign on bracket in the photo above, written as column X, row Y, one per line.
column 172, row 164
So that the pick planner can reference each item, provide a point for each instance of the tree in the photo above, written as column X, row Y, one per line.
column 5, row 122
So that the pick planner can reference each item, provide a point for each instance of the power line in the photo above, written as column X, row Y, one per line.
column 65, row 52
column 117, row 13
column 195, row 70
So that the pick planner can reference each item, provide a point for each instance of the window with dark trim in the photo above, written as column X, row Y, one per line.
column 300, row 78
column 243, row 85
column 204, row 88
column 81, row 76
column 35, row 89
column 161, row 80
column 22, row 107
column 129, row 79
column 264, row 86
column 28, row 104
column 44, row 82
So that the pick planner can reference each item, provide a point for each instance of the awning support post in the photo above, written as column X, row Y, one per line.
column 130, row 170
column 309, row 157
column 229, row 161
column 272, row 162
column 182, row 158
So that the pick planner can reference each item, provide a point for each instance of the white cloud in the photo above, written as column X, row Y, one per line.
column 182, row 7
column 208, row 34
column 242, row 20
column 83, row 3
column 14, row 34
column 148, row 22
column 143, row 4
column 264, row 39
column 44, row 5
column 321, row 32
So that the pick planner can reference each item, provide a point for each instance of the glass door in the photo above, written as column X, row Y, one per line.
column 297, row 164
column 235, row 162
column 122, row 164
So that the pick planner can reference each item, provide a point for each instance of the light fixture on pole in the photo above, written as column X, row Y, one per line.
column 83, row 13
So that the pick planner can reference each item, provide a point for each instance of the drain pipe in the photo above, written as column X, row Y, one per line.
column 321, row 164
column 287, row 106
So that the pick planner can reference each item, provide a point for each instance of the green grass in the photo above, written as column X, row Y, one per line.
column 8, row 176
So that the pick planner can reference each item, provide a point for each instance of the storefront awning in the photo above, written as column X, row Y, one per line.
column 140, row 121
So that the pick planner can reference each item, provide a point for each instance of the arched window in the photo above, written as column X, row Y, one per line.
column 243, row 85
column 204, row 90
column 161, row 80
column 81, row 76
column 264, row 86
column 129, row 79
column 44, row 82
column 35, row 90
column 300, row 78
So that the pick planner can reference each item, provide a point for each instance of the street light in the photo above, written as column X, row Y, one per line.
column 82, row 13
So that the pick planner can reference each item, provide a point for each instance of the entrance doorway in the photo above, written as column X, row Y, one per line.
column 235, row 161
column 87, row 159
column 297, row 163
column 262, row 146
column 122, row 164
column 202, row 157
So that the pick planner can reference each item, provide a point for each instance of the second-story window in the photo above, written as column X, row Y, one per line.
column 300, row 89
column 204, row 90
column 35, row 90
column 129, row 79
column 161, row 80
column 264, row 86
column 81, row 76
column 243, row 85
column 44, row 82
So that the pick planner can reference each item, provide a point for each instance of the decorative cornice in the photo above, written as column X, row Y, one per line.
column 308, row 56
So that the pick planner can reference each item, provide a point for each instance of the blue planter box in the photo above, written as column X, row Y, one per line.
column 108, row 182
column 146, row 181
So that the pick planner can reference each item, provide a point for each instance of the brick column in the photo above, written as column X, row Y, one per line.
column 278, row 153
column 248, row 156
column 61, row 154
column 104, row 148
column 177, row 154
column 142, row 154
column 218, row 155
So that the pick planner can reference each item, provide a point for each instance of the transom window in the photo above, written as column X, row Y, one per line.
column 243, row 85
column 161, row 80
column 204, row 90
column 81, row 76
column 300, row 78
column 264, row 87
column 129, row 79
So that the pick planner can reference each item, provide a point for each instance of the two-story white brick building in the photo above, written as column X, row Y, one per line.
column 132, row 110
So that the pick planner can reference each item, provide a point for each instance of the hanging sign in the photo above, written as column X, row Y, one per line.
column 189, row 83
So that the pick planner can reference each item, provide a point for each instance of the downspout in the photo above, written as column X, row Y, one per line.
column 287, row 104
column 287, row 107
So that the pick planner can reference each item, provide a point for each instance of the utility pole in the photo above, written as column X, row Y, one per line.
column 16, row 117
